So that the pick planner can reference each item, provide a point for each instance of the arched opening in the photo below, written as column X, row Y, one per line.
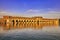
column 24, row 20
column 5, row 22
column 32, row 20
column 59, row 22
column 16, row 22
column 0, row 22
column 13, row 22
column 38, row 22
column 19, row 20
column 27, row 20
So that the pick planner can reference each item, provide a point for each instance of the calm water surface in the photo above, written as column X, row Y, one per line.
column 46, row 33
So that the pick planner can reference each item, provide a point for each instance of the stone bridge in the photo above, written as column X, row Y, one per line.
column 29, row 20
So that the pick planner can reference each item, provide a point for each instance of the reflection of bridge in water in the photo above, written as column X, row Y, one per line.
column 25, row 22
column 23, row 26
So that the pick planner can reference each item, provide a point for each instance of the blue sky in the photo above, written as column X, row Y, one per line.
column 29, row 7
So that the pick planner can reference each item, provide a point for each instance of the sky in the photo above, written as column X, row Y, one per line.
column 45, row 8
